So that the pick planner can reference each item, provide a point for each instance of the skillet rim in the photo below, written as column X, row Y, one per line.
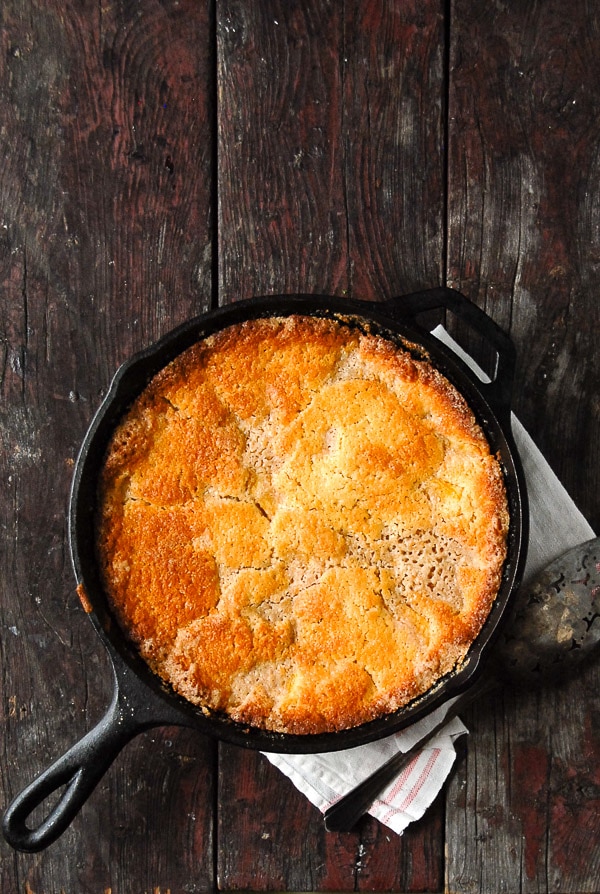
column 129, row 380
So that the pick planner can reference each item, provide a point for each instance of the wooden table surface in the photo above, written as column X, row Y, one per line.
column 161, row 157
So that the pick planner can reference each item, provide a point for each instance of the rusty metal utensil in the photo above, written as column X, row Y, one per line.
column 553, row 627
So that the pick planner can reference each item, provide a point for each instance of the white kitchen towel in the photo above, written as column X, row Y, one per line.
column 555, row 526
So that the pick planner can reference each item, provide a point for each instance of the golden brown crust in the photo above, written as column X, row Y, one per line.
column 301, row 525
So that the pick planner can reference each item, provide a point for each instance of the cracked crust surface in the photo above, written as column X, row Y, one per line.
column 301, row 525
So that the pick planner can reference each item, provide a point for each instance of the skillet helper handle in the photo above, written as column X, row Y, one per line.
column 499, row 390
column 78, row 771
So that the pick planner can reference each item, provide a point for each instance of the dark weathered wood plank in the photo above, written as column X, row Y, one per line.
column 271, row 838
column 105, row 242
column 282, row 215
column 394, row 91
column 523, row 212
column 261, row 846
column 523, row 813
column 330, row 160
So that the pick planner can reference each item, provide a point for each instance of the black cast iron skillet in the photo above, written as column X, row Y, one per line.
column 140, row 699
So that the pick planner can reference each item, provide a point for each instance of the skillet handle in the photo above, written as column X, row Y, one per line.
column 133, row 708
column 78, row 770
column 499, row 389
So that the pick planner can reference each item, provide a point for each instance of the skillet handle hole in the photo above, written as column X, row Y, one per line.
column 479, row 348
column 44, row 809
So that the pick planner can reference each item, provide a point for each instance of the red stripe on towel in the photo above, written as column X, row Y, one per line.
column 423, row 777
column 401, row 780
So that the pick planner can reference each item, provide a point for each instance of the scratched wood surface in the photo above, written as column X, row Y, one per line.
column 162, row 157
column 524, row 240
column 106, row 235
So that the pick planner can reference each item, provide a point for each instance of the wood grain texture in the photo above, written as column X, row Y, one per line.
column 394, row 83
column 330, row 149
column 271, row 838
column 282, row 213
column 523, row 241
column 523, row 212
column 105, row 242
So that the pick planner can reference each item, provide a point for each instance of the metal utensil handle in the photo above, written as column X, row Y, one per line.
column 345, row 813
column 499, row 389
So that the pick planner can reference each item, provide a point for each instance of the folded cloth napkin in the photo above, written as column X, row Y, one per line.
column 555, row 526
